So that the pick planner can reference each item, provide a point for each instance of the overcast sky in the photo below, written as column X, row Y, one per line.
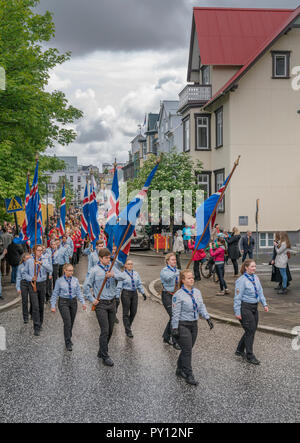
column 127, row 56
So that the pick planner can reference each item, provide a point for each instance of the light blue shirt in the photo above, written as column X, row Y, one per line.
column 71, row 245
column 168, row 278
column 245, row 292
column 61, row 290
column 183, row 309
column 53, row 259
column 63, row 254
column 43, row 269
column 95, row 279
column 126, row 284
column 20, row 276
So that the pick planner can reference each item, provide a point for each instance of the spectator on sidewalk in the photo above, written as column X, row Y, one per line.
column 14, row 254
column 178, row 247
column 198, row 257
column 7, row 238
column 219, row 257
column 215, row 232
column 247, row 245
column 187, row 236
column 282, row 249
column 233, row 249
column 276, row 275
column 1, row 258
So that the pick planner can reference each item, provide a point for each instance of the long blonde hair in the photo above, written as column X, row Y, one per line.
column 285, row 238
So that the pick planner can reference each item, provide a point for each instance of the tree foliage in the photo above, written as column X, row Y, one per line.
column 31, row 118
column 176, row 172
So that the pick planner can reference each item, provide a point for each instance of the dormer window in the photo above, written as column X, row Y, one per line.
column 281, row 64
column 205, row 75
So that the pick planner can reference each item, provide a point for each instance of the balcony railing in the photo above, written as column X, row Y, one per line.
column 194, row 95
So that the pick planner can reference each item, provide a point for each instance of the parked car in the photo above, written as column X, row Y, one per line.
column 141, row 240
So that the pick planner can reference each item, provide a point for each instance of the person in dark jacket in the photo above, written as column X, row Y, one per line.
column 233, row 249
column 14, row 254
column 247, row 246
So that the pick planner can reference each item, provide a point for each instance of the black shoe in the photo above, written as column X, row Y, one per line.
column 108, row 361
column 176, row 346
column 191, row 381
column 117, row 320
column 253, row 361
column 69, row 347
column 282, row 291
column 240, row 354
column 181, row 373
column 129, row 334
column 26, row 321
column 277, row 288
column 1, row 298
column 168, row 341
column 37, row 333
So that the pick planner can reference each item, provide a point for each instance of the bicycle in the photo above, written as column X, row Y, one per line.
column 208, row 269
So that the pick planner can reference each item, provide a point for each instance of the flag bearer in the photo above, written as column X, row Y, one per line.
column 67, row 289
column 37, row 299
column 106, row 307
column 169, row 277
column 128, row 290
column 22, row 287
column 187, row 305
column 248, row 293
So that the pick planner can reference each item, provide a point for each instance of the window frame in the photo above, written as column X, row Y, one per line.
column 208, row 173
column 221, row 207
column 267, row 240
column 208, row 116
column 184, row 122
column 217, row 113
column 205, row 68
column 287, row 56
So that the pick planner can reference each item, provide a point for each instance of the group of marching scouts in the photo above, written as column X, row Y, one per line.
column 52, row 267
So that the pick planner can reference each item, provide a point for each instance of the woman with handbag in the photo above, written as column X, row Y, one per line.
column 282, row 249
column 276, row 276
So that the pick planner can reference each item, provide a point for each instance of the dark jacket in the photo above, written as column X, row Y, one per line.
column 244, row 245
column 14, row 254
column 233, row 247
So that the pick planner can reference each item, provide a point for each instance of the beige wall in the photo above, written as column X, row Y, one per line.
column 264, row 128
column 220, row 75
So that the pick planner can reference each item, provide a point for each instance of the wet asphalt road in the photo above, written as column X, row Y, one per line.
column 41, row 382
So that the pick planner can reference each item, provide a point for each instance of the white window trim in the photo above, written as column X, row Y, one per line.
column 285, row 65
column 267, row 240
column 207, row 133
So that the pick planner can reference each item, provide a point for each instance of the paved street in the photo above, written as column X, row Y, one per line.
column 41, row 382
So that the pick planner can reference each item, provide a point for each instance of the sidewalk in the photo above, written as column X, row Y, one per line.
column 9, row 293
column 284, row 313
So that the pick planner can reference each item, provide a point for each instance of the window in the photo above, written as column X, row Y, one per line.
column 204, row 183
column 205, row 75
column 71, row 178
column 219, row 128
column 243, row 220
column 203, row 132
column 219, row 181
column 79, row 179
column 186, row 135
column 266, row 240
column 281, row 64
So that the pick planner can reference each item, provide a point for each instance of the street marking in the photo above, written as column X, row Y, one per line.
column 2, row 339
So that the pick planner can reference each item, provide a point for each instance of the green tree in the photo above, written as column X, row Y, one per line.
column 69, row 193
column 31, row 118
column 176, row 172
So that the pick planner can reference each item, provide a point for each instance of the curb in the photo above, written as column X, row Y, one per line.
column 230, row 321
column 10, row 304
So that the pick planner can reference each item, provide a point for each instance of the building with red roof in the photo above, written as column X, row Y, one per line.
column 243, row 98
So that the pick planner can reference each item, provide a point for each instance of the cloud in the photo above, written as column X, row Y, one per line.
column 92, row 132
column 119, row 25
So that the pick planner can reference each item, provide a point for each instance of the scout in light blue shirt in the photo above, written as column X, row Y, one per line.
column 20, row 276
column 41, row 269
column 131, row 282
column 95, row 280
column 185, row 309
column 169, row 277
column 66, row 288
column 63, row 254
column 248, row 289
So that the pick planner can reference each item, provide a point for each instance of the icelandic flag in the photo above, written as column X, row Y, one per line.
column 203, row 214
column 113, row 212
column 94, row 229
column 85, row 216
column 130, row 215
column 62, row 220
column 34, row 207
column 23, row 234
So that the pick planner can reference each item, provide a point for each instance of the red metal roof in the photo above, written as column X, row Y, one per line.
column 256, row 54
column 229, row 36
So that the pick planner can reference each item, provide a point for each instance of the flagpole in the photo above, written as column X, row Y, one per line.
column 112, row 264
column 236, row 163
column 35, row 240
